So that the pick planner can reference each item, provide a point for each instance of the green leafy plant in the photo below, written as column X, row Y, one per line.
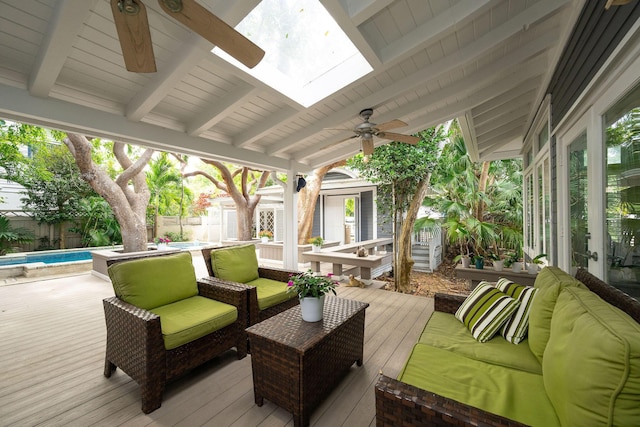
column 538, row 259
column 316, row 241
column 308, row 284
column 11, row 236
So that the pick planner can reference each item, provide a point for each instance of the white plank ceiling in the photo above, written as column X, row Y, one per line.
column 485, row 61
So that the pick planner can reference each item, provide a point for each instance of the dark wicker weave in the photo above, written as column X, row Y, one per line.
column 255, row 315
column 135, row 343
column 296, row 364
column 398, row 403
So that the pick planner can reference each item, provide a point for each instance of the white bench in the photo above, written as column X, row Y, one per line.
column 344, row 255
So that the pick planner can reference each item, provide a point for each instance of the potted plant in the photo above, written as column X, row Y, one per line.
column 498, row 263
column 162, row 243
column 311, row 289
column 265, row 235
column 535, row 263
column 478, row 260
column 316, row 243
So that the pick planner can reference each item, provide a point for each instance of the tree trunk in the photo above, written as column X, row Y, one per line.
column 63, row 235
column 405, row 261
column 128, row 202
column 307, row 198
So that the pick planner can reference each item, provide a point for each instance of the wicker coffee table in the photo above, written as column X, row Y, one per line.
column 296, row 364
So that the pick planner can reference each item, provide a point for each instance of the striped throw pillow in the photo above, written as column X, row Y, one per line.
column 485, row 310
column 515, row 329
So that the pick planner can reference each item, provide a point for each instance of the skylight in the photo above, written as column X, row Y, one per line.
column 308, row 56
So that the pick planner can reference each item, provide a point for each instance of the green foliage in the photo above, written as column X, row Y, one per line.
column 96, row 224
column 168, row 194
column 53, row 186
column 481, row 202
column 308, row 284
column 10, row 236
column 177, row 237
column 397, row 168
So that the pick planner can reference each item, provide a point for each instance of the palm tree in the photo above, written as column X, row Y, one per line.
column 481, row 202
column 167, row 189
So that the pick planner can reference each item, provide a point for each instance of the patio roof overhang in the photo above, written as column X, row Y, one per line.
column 487, row 62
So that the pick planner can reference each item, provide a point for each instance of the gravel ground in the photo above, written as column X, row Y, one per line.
column 443, row 280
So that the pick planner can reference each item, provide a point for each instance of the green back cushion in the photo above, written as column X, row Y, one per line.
column 512, row 393
column 151, row 282
column 235, row 263
column 485, row 310
column 515, row 329
column 445, row 332
column 271, row 292
column 189, row 319
column 591, row 363
column 549, row 282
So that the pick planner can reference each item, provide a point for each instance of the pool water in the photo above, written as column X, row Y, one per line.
column 47, row 258
column 70, row 255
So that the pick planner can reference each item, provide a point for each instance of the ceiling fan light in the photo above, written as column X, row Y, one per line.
column 174, row 6
column 129, row 7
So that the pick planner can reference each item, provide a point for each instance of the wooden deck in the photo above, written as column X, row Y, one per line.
column 51, row 362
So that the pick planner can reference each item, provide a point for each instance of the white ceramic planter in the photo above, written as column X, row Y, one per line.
column 516, row 267
column 466, row 261
column 498, row 265
column 532, row 268
column 316, row 248
column 264, row 239
column 312, row 308
column 162, row 246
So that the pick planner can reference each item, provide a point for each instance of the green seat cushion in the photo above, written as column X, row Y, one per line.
column 152, row 282
column 515, row 329
column 514, row 394
column 485, row 310
column 444, row 331
column 235, row 263
column 271, row 292
column 592, row 362
column 192, row 318
column 549, row 282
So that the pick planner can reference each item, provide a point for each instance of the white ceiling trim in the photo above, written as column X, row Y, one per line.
column 16, row 104
column 220, row 110
column 470, row 53
column 57, row 44
column 436, row 28
column 167, row 78
column 265, row 127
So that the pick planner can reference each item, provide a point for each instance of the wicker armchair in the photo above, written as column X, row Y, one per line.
column 255, row 314
column 135, row 340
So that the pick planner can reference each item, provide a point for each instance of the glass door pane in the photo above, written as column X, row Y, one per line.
column 623, row 194
column 578, row 201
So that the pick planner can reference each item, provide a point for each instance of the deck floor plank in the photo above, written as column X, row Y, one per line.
column 52, row 359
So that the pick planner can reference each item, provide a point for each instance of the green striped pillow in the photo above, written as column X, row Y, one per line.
column 485, row 310
column 515, row 329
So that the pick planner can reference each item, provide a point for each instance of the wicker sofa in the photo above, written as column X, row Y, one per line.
column 266, row 287
column 579, row 366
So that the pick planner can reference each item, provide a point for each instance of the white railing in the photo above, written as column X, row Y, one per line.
column 431, row 239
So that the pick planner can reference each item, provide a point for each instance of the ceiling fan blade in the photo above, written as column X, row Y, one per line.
column 367, row 146
column 393, row 124
column 214, row 29
column 134, row 36
column 408, row 139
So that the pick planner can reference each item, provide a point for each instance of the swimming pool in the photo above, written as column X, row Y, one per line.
column 70, row 255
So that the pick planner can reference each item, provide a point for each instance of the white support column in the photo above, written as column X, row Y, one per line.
column 290, row 247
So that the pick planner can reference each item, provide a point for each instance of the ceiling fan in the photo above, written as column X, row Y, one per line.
column 367, row 130
column 130, row 17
